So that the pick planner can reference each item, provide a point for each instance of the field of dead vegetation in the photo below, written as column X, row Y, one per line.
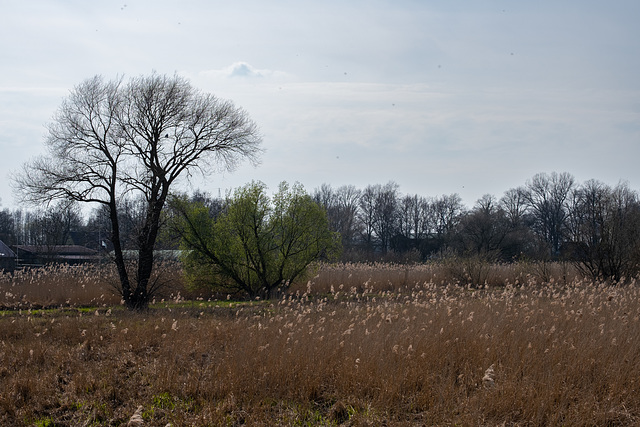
column 358, row 345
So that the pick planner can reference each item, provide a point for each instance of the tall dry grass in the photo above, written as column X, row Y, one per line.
column 97, row 285
column 56, row 285
column 453, row 271
column 371, row 351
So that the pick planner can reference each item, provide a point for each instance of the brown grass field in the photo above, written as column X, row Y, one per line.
column 358, row 345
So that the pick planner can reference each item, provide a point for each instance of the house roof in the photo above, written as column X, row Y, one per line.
column 57, row 249
column 5, row 251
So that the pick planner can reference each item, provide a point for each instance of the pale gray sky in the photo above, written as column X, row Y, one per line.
column 467, row 97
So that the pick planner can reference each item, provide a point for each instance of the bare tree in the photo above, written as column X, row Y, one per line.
column 367, row 216
column 484, row 229
column 447, row 211
column 547, row 200
column 386, row 214
column 605, row 230
column 324, row 196
column 514, row 204
column 85, row 158
column 8, row 227
column 378, row 215
column 109, row 141
column 347, row 200
column 341, row 205
column 53, row 226
column 408, row 216
column 415, row 221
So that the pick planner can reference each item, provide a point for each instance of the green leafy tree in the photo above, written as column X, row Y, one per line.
column 257, row 245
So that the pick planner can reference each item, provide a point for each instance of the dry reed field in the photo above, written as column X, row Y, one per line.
column 357, row 345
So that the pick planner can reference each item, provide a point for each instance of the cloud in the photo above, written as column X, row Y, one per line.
column 242, row 70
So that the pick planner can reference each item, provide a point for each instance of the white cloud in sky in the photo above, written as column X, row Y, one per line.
column 241, row 69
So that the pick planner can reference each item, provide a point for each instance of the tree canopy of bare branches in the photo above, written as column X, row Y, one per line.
column 111, row 140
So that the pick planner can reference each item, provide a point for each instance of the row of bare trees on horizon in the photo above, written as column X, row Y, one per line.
column 550, row 217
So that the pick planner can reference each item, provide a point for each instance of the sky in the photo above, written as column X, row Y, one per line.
column 441, row 97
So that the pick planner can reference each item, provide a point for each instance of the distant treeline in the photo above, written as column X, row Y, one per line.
column 551, row 217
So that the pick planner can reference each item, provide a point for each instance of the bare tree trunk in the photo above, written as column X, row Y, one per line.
column 139, row 300
column 118, row 255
